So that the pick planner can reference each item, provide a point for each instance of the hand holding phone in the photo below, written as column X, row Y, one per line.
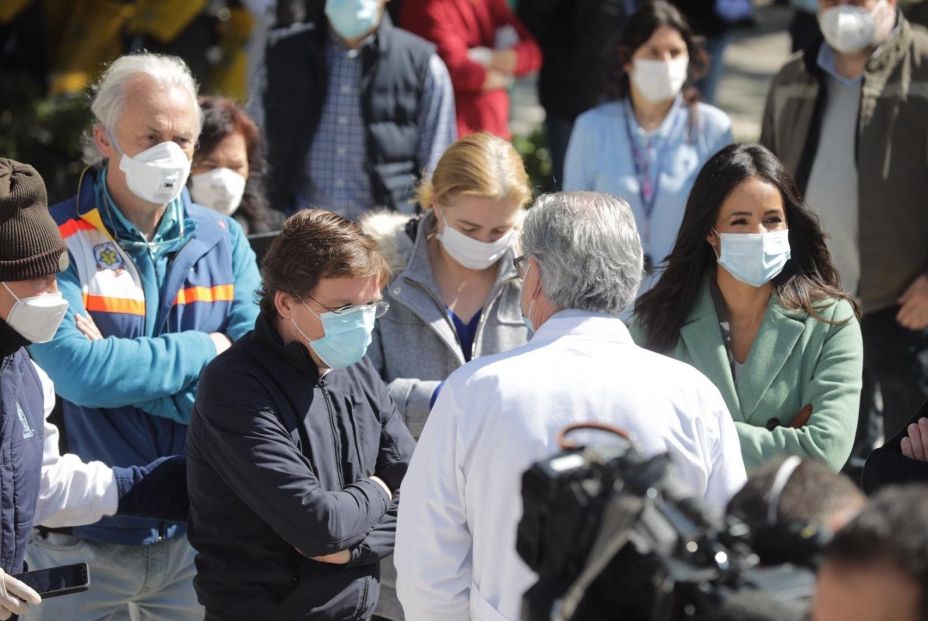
column 15, row 596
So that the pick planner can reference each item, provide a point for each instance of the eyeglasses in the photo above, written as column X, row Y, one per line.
column 380, row 307
column 521, row 265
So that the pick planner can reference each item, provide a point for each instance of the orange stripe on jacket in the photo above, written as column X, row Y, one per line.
column 219, row 293
column 71, row 227
column 104, row 304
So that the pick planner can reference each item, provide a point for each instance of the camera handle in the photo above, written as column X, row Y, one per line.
column 567, row 444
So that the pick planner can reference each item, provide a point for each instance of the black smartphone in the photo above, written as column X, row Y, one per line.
column 56, row 581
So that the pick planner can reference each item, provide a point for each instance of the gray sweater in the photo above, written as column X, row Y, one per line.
column 415, row 346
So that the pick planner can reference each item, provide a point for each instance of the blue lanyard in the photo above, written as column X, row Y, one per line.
column 646, row 192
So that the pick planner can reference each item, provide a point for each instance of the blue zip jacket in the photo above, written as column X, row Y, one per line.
column 22, row 418
column 128, row 397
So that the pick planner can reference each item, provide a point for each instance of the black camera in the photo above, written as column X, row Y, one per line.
column 613, row 535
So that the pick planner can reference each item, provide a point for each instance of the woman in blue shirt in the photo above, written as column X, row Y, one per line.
column 647, row 145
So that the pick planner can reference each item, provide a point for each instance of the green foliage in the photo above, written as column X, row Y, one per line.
column 43, row 131
column 534, row 151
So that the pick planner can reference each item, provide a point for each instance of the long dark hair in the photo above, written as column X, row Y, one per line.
column 807, row 282
column 222, row 117
column 638, row 29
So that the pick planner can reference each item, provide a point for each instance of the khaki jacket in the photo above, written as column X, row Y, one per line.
column 891, row 153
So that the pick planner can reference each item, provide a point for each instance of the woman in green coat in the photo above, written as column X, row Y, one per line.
column 750, row 298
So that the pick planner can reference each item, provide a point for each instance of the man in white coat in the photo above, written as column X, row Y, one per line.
column 455, row 542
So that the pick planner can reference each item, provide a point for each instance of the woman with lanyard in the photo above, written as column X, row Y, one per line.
column 751, row 299
column 648, row 144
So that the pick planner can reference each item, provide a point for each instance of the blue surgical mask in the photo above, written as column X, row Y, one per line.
column 353, row 18
column 754, row 258
column 347, row 335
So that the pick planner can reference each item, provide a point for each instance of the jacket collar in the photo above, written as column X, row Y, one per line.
column 573, row 322
column 295, row 353
column 96, row 207
column 777, row 336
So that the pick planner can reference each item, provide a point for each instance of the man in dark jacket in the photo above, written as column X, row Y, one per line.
column 849, row 118
column 296, row 451
column 354, row 110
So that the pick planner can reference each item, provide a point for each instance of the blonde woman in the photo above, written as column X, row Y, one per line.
column 456, row 296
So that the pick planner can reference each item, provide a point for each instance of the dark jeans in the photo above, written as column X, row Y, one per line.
column 708, row 85
column 558, row 130
column 895, row 379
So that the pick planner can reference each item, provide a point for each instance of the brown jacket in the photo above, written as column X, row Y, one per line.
column 891, row 153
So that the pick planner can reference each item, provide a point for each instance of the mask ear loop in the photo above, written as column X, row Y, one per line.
column 718, row 255
column 10, row 291
column 780, row 480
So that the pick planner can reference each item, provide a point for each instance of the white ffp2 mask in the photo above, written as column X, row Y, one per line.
column 220, row 189
column 37, row 318
column 158, row 174
column 849, row 29
column 471, row 253
column 659, row 80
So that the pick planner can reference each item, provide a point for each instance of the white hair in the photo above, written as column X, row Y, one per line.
column 587, row 248
column 109, row 95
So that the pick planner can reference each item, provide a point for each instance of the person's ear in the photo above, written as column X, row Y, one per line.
column 533, row 266
column 714, row 240
column 102, row 139
column 284, row 303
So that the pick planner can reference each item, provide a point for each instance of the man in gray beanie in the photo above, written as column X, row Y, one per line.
column 44, row 486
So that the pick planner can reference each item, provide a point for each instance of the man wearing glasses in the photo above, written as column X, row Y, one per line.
column 296, row 451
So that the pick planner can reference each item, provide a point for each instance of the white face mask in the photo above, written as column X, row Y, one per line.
column 849, row 29
column 657, row 80
column 754, row 258
column 158, row 174
column 469, row 252
column 37, row 318
column 220, row 189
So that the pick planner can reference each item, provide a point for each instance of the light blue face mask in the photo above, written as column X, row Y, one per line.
column 754, row 258
column 347, row 335
column 353, row 18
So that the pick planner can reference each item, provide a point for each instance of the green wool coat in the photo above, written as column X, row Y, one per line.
column 796, row 361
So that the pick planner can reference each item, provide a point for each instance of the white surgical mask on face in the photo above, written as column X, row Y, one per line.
column 849, row 29
column 220, row 189
column 158, row 174
column 469, row 252
column 37, row 318
column 754, row 258
column 659, row 80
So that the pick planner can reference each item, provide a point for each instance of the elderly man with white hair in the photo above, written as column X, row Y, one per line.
column 455, row 543
column 157, row 286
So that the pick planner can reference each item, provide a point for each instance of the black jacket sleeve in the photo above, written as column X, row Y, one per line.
column 888, row 466
column 255, row 456
column 380, row 542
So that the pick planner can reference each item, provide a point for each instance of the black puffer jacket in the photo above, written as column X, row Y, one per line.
column 278, row 467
